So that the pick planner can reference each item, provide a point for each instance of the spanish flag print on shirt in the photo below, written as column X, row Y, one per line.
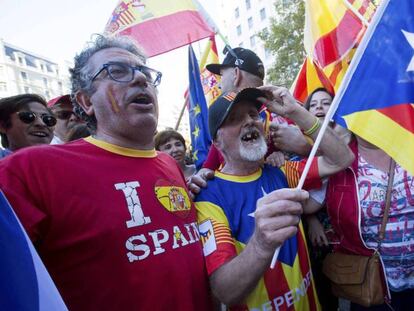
column 225, row 216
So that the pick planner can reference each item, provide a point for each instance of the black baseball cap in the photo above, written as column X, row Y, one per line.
column 220, row 108
column 244, row 59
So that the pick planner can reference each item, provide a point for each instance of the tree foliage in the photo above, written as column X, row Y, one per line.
column 284, row 39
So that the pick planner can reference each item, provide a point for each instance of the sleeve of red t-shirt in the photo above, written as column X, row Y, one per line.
column 20, row 193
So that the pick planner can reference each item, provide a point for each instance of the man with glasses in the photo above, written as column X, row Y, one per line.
column 111, row 217
column 62, row 108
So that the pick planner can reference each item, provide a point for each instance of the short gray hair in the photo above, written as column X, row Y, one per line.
column 80, row 74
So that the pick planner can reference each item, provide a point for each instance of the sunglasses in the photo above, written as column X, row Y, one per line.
column 64, row 114
column 29, row 117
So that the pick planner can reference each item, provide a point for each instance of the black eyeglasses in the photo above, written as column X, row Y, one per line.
column 29, row 117
column 64, row 114
column 122, row 72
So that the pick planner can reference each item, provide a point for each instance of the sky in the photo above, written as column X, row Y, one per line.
column 58, row 29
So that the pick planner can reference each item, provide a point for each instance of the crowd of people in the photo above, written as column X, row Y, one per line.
column 122, row 220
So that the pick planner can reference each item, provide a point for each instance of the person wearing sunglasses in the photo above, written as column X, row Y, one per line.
column 25, row 121
column 111, row 217
column 62, row 108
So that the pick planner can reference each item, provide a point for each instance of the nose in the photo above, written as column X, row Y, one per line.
column 38, row 122
column 249, row 119
column 139, row 78
column 73, row 117
column 319, row 105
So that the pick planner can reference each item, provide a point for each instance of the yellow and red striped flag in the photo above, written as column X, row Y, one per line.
column 333, row 29
column 159, row 26
column 209, row 80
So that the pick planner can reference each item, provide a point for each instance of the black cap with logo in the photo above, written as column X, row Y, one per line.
column 220, row 108
column 244, row 59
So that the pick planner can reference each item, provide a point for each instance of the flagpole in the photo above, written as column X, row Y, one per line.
column 181, row 114
column 336, row 100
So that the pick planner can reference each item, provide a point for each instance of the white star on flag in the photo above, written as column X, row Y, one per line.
column 252, row 213
column 410, row 38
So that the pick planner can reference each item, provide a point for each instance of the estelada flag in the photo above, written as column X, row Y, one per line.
column 159, row 26
column 24, row 282
column 375, row 100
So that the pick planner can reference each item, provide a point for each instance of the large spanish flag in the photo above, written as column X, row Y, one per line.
column 159, row 26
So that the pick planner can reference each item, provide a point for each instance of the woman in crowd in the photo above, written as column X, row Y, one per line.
column 318, row 225
column 25, row 121
column 355, row 201
column 173, row 143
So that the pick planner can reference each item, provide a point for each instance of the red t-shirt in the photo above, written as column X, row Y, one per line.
column 114, row 226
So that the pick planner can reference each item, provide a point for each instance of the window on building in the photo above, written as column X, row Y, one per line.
column 250, row 22
column 248, row 5
column 20, row 60
column 236, row 13
column 23, row 75
column 252, row 41
column 238, row 30
column 49, row 68
column 42, row 67
column 60, row 85
column 3, row 87
column 27, row 89
column 30, row 61
column 47, row 95
column 262, row 14
column 45, row 82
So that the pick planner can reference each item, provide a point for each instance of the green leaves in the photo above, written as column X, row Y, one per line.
column 284, row 39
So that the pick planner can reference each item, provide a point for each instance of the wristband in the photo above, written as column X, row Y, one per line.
column 313, row 128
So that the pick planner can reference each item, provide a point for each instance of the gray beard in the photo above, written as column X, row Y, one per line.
column 255, row 152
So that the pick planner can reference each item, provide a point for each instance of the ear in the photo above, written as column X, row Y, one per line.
column 217, row 141
column 85, row 102
column 237, row 77
column 3, row 129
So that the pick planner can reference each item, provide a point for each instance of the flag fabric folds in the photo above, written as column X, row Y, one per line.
column 209, row 80
column 375, row 100
column 24, row 282
column 309, row 78
column 159, row 26
column 333, row 29
column 198, row 112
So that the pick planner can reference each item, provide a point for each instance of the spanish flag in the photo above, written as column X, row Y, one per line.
column 159, row 26
column 209, row 80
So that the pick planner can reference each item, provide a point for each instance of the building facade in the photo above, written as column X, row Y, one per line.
column 25, row 72
column 241, row 20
